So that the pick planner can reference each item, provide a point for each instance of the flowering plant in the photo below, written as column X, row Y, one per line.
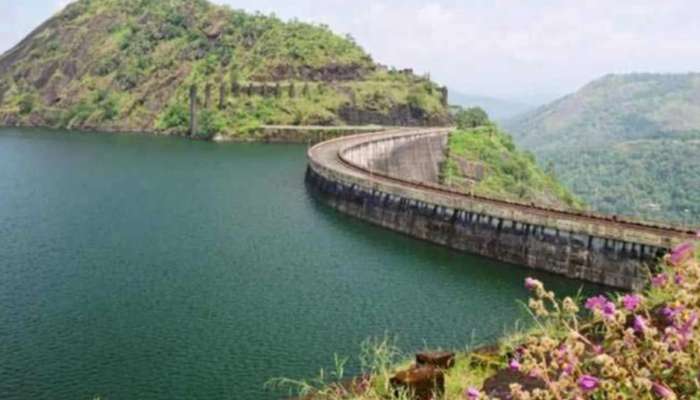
column 632, row 346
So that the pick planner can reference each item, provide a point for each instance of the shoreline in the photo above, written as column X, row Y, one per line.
column 268, row 133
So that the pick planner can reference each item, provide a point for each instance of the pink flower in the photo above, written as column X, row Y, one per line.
column 530, row 283
column 681, row 253
column 514, row 365
column 678, row 279
column 596, row 303
column 683, row 330
column 631, row 301
column 472, row 393
column 687, row 328
column 663, row 391
column 588, row 383
column 640, row 324
column 670, row 313
column 609, row 309
column 601, row 303
column 659, row 280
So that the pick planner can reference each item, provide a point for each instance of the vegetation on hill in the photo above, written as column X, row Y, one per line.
column 626, row 144
column 484, row 160
column 129, row 64
column 498, row 109
column 622, row 346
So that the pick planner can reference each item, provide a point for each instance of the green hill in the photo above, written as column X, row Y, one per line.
column 129, row 64
column 485, row 161
column 626, row 144
column 498, row 109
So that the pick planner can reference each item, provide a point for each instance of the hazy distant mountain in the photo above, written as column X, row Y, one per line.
column 624, row 143
column 498, row 109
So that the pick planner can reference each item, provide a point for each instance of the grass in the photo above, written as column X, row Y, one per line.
column 621, row 347
column 148, row 53
column 508, row 173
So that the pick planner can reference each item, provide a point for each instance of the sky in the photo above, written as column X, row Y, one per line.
column 526, row 50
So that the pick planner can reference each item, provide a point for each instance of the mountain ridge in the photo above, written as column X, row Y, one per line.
column 625, row 143
column 498, row 109
column 128, row 65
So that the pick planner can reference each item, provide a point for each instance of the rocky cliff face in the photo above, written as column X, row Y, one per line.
column 129, row 65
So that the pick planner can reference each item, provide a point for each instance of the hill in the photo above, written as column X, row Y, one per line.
column 498, row 109
column 129, row 65
column 626, row 144
column 483, row 160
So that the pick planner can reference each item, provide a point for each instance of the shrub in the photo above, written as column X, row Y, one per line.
column 129, row 76
column 176, row 117
column 632, row 346
column 26, row 104
column 210, row 123
column 105, row 102
column 77, row 114
column 472, row 118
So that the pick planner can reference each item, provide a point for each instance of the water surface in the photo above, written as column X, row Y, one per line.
column 137, row 267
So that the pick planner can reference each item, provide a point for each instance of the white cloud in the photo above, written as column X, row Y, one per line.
column 509, row 47
column 498, row 47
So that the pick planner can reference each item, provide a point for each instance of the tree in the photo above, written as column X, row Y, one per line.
column 26, row 104
column 471, row 118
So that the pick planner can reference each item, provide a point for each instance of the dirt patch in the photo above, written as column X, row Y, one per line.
column 498, row 386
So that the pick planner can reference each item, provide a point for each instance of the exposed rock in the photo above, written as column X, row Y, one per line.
column 498, row 386
column 69, row 69
column 46, row 75
column 399, row 115
column 437, row 359
column 327, row 73
column 51, row 96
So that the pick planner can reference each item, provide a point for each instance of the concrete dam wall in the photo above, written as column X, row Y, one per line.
column 359, row 175
column 412, row 157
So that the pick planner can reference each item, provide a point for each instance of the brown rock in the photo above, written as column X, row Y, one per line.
column 438, row 359
column 498, row 386
column 421, row 382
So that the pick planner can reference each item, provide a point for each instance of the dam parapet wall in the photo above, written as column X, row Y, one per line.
column 353, row 175
column 413, row 157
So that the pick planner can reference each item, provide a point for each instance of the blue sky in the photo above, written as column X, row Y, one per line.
column 505, row 48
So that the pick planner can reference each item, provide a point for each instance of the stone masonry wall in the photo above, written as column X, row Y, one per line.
column 609, row 262
column 380, row 178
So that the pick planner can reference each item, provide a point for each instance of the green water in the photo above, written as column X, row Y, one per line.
column 136, row 267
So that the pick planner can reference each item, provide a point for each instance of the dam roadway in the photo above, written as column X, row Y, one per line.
column 347, row 174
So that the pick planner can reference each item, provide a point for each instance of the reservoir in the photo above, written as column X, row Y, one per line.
column 142, row 267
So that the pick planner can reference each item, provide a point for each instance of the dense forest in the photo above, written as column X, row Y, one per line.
column 626, row 144
column 129, row 65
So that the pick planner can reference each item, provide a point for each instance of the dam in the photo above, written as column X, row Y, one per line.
column 391, row 179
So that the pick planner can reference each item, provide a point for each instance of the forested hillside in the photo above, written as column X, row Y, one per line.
column 483, row 160
column 129, row 64
column 626, row 144
column 498, row 109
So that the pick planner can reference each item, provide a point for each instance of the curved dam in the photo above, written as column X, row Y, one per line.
column 391, row 179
